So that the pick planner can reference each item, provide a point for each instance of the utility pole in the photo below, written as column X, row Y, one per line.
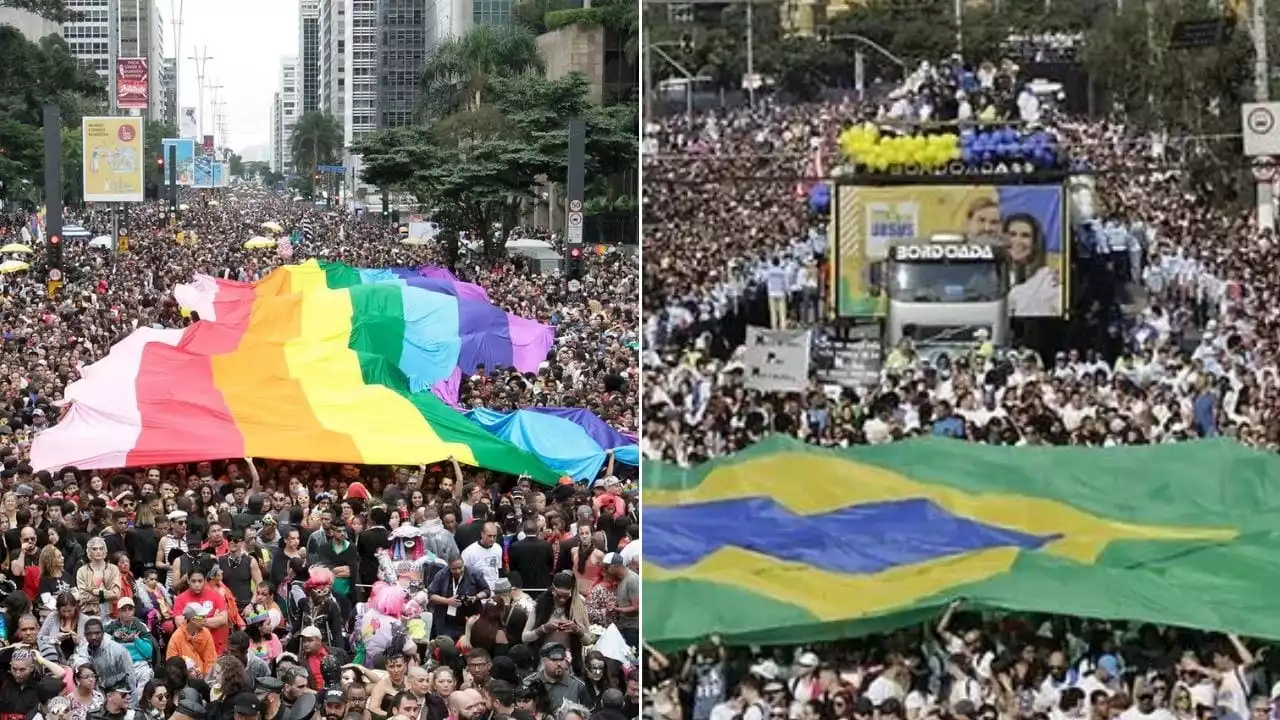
column 751, row 55
column 201, row 60
column 213, row 110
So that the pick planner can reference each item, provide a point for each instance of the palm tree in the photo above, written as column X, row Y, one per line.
column 316, row 140
column 457, row 75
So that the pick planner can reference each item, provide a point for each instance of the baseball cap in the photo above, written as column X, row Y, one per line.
column 334, row 695
column 554, row 651
column 269, row 683
column 311, row 631
column 502, row 587
column 177, row 515
column 193, row 610
column 119, row 688
column 126, row 600
column 613, row 560
column 245, row 703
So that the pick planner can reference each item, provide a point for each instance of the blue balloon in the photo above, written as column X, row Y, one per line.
column 966, row 155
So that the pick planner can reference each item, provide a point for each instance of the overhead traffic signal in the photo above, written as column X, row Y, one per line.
column 575, row 262
column 55, row 252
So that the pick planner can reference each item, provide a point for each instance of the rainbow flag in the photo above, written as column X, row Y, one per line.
column 307, row 376
column 426, row 277
column 786, row 543
column 442, row 331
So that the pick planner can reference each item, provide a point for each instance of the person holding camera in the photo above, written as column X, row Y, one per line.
column 453, row 598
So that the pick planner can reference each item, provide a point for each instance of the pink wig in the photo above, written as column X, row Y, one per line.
column 387, row 599
column 319, row 577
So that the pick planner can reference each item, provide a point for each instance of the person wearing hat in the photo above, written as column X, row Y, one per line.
column 193, row 640
column 334, row 706
column 115, row 704
column 240, row 570
column 560, row 682
column 246, row 706
column 339, row 555
column 628, row 592
column 267, row 689
column 130, row 633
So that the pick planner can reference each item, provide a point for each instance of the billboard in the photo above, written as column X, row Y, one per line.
column 185, row 164
column 131, row 83
column 188, row 125
column 207, row 145
column 202, row 171
column 112, row 159
column 1030, row 219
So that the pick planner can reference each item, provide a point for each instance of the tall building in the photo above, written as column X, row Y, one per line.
column 92, row 37
column 361, row 111
column 276, row 160
column 404, row 47
column 32, row 26
column 285, row 113
column 169, row 90
column 333, row 57
column 141, row 30
column 309, row 54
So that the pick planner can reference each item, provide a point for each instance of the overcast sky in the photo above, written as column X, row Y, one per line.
column 245, row 40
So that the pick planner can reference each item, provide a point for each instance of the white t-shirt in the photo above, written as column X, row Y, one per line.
column 485, row 562
column 883, row 688
column 1134, row 713
column 1233, row 696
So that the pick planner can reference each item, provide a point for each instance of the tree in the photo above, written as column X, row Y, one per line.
column 56, row 10
column 237, row 165
column 475, row 167
column 36, row 74
column 316, row 140
column 457, row 76
column 153, row 135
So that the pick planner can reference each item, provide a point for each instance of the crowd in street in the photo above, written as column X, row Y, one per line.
column 1177, row 340
column 256, row 588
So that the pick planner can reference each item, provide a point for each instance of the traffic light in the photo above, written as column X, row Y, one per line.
column 160, row 162
column 686, row 43
column 575, row 262
column 55, row 252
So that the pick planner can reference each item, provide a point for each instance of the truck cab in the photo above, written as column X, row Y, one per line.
column 947, row 292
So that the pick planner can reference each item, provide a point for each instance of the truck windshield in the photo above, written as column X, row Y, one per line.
column 945, row 282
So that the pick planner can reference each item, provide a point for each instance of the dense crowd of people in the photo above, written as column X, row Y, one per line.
column 1174, row 339
column 257, row 588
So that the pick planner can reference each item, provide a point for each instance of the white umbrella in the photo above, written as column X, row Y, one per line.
column 184, row 207
column 102, row 241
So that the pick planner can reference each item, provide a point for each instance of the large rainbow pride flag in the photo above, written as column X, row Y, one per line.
column 318, row 376
column 444, row 331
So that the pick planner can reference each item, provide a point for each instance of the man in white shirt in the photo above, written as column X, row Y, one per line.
column 484, row 557
column 1145, row 708
column 775, row 278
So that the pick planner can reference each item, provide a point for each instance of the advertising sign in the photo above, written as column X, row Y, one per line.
column 131, row 83
column 185, row 165
column 1030, row 220
column 202, row 175
column 189, row 126
column 207, row 145
column 113, row 163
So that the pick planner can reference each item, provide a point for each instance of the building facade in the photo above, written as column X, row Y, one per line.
column 276, row 160
column 332, row 61
column 286, row 113
column 309, row 54
column 169, row 91
column 32, row 26
column 361, row 111
column 404, row 48
column 92, row 37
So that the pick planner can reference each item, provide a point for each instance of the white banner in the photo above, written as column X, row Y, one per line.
column 188, row 125
column 777, row 360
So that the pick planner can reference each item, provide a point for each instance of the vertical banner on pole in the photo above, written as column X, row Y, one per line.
column 132, row 79
column 112, row 158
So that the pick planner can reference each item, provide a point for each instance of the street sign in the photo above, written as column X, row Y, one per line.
column 332, row 169
column 574, row 286
column 575, row 206
column 52, row 286
column 1261, row 135
column 55, row 274
column 575, row 228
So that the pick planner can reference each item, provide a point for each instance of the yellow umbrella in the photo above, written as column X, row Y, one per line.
column 272, row 225
column 13, row 266
column 258, row 243
column 413, row 241
column 15, row 248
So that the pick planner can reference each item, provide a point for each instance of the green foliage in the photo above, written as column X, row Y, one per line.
column 476, row 164
column 56, row 10
column 35, row 74
column 316, row 140
column 237, row 165
column 1127, row 55
column 457, row 76
column 615, row 16
column 531, row 14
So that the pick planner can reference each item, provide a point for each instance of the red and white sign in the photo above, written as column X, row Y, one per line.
column 207, row 145
column 132, row 88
